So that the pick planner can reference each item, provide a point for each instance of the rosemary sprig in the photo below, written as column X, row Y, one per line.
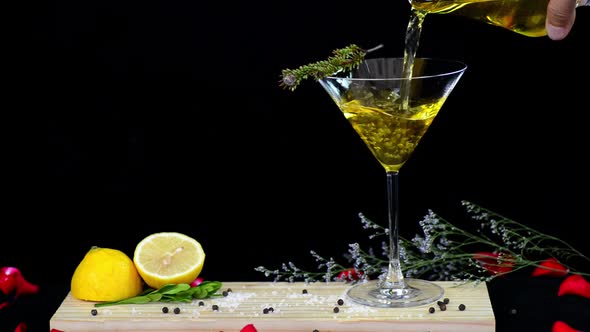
column 170, row 293
column 343, row 59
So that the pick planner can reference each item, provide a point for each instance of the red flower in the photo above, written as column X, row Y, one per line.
column 550, row 268
column 495, row 263
column 560, row 326
column 350, row 274
column 13, row 284
column 9, row 280
column 249, row 328
column 574, row 285
column 21, row 327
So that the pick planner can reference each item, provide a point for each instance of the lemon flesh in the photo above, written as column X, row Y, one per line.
column 105, row 274
column 168, row 258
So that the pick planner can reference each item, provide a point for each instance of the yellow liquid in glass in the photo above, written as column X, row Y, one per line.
column 526, row 17
column 391, row 133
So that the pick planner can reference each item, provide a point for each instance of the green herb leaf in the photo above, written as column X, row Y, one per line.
column 199, row 293
column 343, row 59
column 132, row 300
column 173, row 289
column 171, row 293
column 147, row 291
column 154, row 297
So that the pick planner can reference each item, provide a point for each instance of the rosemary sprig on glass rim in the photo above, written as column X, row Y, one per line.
column 445, row 252
column 343, row 59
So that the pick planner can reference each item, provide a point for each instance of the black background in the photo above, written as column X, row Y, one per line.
column 125, row 119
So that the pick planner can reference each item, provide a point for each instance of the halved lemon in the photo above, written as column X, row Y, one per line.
column 168, row 258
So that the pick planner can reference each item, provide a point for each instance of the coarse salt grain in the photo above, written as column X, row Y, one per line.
column 234, row 299
column 321, row 300
column 359, row 310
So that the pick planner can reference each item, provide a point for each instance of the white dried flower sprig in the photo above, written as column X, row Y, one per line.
column 445, row 252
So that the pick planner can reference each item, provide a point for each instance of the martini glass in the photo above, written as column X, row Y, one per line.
column 391, row 105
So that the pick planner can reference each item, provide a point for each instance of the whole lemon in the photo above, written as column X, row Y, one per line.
column 105, row 274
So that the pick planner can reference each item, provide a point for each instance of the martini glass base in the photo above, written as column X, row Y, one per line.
column 417, row 292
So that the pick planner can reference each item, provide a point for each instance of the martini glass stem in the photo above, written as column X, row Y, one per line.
column 394, row 277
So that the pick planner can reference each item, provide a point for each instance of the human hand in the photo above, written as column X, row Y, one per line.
column 561, row 15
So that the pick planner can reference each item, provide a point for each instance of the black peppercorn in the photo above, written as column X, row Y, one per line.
column 93, row 312
column 201, row 303
column 336, row 310
column 224, row 293
column 443, row 307
column 439, row 303
column 431, row 310
column 229, row 290
column 165, row 310
column 446, row 300
column 316, row 331
column 271, row 309
column 215, row 307
column 461, row 307
column 304, row 291
column 265, row 311
column 177, row 310
column 340, row 301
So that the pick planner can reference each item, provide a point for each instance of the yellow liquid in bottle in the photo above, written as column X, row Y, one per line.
column 526, row 17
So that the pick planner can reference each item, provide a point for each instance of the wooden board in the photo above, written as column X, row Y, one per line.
column 293, row 311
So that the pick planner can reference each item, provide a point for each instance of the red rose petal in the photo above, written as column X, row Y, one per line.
column 9, row 280
column 196, row 282
column 560, row 326
column 485, row 256
column 21, row 327
column 27, row 288
column 494, row 263
column 498, row 269
column 550, row 268
column 574, row 285
column 12, row 282
column 5, row 304
column 350, row 274
column 249, row 328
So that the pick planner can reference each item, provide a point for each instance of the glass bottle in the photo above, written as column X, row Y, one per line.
column 526, row 17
